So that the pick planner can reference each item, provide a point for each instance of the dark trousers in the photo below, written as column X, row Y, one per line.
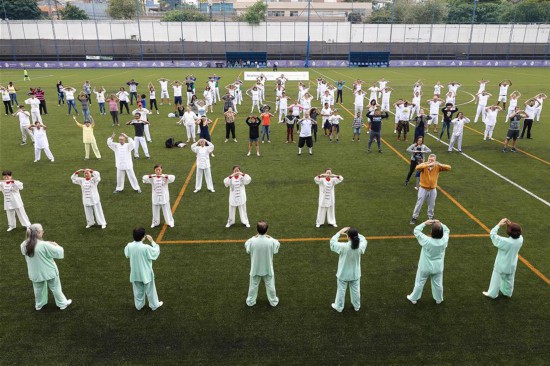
column 42, row 107
column 114, row 116
column 314, row 130
column 123, row 104
column 412, row 168
column 132, row 96
column 372, row 136
column 339, row 95
column 229, row 127
column 153, row 103
column 289, row 132
column 7, row 106
column 527, row 124
column 446, row 125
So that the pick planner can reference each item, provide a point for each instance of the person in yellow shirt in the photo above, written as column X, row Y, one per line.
column 429, row 172
column 88, row 137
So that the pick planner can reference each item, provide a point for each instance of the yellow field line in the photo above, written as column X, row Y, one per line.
column 292, row 240
column 520, row 150
column 470, row 215
column 182, row 191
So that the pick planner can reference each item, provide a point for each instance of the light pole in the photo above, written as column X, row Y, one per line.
column 472, row 28
column 391, row 24
column 224, row 31
column 139, row 31
column 308, row 20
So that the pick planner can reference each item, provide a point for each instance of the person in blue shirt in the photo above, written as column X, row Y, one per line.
column 431, row 262
column 349, row 266
column 339, row 90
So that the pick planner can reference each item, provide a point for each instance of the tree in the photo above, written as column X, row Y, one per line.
column 188, row 13
column 122, row 9
column 528, row 11
column 72, row 12
column 354, row 17
column 254, row 14
column 20, row 9
column 431, row 11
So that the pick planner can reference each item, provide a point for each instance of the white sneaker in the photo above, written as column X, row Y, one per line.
column 103, row 226
column 10, row 228
column 228, row 225
column 88, row 226
column 317, row 226
column 258, row 153
column 235, row 140
column 334, row 225
column 335, row 307
column 211, row 190
column 69, row 302
column 248, row 154
column 438, row 302
column 52, row 160
column 487, row 294
column 226, row 140
column 247, row 225
column 153, row 225
column 394, row 131
column 160, row 304
column 411, row 300
column 196, row 190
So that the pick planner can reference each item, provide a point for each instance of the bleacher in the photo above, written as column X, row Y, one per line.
column 369, row 59
column 246, row 59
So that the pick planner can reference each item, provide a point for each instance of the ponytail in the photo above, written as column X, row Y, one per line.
column 353, row 235
column 34, row 232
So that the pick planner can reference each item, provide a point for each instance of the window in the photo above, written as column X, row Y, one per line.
column 294, row 13
column 276, row 13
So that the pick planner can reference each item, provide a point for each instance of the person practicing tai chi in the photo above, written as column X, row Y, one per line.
column 490, row 121
column 253, row 123
column 24, row 123
column 435, row 105
column 431, row 262
column 504, row 270
column 188, row 120
column 540, row 99
column 41, row 141
column 458, row 131
column 261, row 249
column 203, row 149
column 482, row 99
column 429, row 173
column 327, row 201
column 139, row 138
column 503, row 92
column 513, row 129
column 448, row 112
column 142, row 276
column 236, row 183
column 375, row 119
column 123, row 161
column 531, row 106
column 160, row 195
column 13, row 204
column 43, row 273
column 88, row 137
column 402, row 113
column 349, row 267
column 417, row 151
column 304, row 138
column 514, row 99
column 90, row 196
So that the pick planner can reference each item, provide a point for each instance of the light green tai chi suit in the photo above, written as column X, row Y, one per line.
column 141, row 272
column 43, row 273
column 349, row 271
column 261, row 249
column 431, row 263
column 506, row 262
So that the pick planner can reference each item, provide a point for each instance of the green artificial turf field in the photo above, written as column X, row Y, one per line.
column 202, row 272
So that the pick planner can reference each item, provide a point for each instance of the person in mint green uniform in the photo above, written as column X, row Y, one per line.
column 42, row 269
column 349, row 267
column 431, row 262
column 506, row 261
column 261, row 248
column 142, row 277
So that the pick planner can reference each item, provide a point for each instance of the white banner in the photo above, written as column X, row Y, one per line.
column 293, row 75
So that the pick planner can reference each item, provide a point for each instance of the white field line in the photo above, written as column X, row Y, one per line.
column 481, row 164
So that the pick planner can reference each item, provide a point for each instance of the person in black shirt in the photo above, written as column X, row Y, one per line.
column 313, row 115
column 375, row 119
column 421, row 121
column 139, row 127
column 253, row 123
column 448, row 113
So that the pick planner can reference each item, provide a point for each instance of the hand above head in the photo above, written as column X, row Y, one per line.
column 503, row 222
column 344, row 230
column 149, row 238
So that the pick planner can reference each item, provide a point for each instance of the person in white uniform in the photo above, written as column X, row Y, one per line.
column 203, row 149
column 41, row 141
column 327, row 202
column 261, row 249
column 482, row 85
column 13, row 204
column 503, row 91
column 41, row 267
column 188, row 120
column 458, row 131
column 236, row 183
column 359, row 101
column 349, row 267
column 386, row 94
column 431, row 262
column 435, row 106
column 540, row 99
column 164, row 95
column 514, row 98
column 90, row 196
column 24, row 123
column 35, row 108
column 160, row 195
column 490, row 121
column 482, row 99
column 123, row 161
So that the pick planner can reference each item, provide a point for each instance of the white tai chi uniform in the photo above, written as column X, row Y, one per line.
column 41, row 143
column 327, row 199
column 237, row 197
column 503, row 93
column 511, row 107
column 255, row 94
column 538, row 109
column 434, row 112
column 349, row 271
column 13, row 204
column 35, row 109
column 144, row 113
column 283, row 108
column 490, row 122
column 481, row 88
column 415, row 108
column 160, row 197
column 203, row 165
column 458, row 132
column 261, row 249
column 385, row 106
column 373, row 94
column 481, row 105
column 359, row 98
column 164, row 89
column 90, row 198
column 24, row 123
column 437, row 89
column 124, row 164
column 188, row 120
